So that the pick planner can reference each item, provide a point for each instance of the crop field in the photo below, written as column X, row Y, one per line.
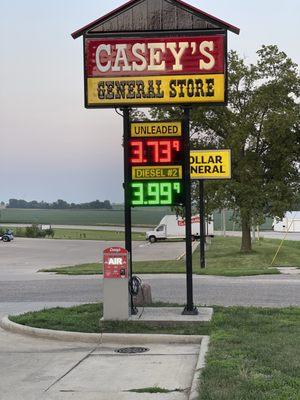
column 140, row 216
column 148, row 216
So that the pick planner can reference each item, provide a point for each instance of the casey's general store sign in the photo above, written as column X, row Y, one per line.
column 155, row 70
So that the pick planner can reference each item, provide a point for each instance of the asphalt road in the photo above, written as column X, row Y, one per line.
column 23, row 257
column 262, row 234
column 266, row 291
column 22, row 288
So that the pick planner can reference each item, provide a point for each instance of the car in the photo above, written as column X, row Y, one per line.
column 7, row 236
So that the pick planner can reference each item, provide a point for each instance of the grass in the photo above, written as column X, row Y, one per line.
column 95, row 235
column 154, row 389
column 254, row 353
column 140, row 267
column 86, row 234
column 223, row 259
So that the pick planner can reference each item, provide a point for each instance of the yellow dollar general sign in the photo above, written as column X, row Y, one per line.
column 210, row 164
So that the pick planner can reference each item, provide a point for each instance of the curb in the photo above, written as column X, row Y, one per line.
column 194, row 393
column 194, row 247
column 98, row 338
column 13, row 327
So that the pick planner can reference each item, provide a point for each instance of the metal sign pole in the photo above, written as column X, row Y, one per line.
column 190, row 309
column 202, row 223
column 127, row 206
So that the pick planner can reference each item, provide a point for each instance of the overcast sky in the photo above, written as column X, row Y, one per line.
column 51, row 146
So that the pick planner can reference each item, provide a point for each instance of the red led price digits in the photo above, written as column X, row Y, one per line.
column 136, row 152
column 154, row 151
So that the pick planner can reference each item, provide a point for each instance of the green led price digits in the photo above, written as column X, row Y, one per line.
column 137, row 193
column 156, row 193
column 166, row 193
column 153, row 194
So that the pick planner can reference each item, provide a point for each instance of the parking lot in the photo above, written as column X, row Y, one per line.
column 23, row 257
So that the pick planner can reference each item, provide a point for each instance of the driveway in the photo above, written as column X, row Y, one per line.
column 21, row 287
column 25, row 256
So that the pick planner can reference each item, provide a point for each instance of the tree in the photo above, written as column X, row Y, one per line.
column 59, row 204
column 261, row 127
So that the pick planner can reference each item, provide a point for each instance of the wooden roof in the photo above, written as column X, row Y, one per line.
column 155, row 15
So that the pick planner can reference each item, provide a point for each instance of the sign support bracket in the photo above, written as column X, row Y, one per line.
column 202, row 223
column 189, row 309
column 127, row 205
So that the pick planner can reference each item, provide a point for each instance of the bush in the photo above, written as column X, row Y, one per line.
column 34, row 231
column 49, row 232
column 19, row 232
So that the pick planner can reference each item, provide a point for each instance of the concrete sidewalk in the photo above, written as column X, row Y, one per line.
column 37, row 369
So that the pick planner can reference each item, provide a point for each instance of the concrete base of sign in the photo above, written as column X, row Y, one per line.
column 116, row 300
column 171, row 315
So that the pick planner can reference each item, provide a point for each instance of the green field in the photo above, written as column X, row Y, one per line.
column 148, row 216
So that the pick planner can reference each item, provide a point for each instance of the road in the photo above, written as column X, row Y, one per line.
column 22, row 288
column 23, row 257
column 263, row 234
column 266, row 291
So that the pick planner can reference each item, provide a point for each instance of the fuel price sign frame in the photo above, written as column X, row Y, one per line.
column 156, row 159
column 152, row 53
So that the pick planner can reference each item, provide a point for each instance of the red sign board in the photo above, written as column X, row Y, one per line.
column 115, row 263
column 173, row 55
column 147, row 70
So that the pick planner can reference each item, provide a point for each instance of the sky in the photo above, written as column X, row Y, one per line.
column 51, row 146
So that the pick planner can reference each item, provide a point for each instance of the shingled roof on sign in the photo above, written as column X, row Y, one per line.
column 154, row 15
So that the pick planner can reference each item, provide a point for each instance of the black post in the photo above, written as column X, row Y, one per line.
column 189, row 309
column 127, row 204
column 202, row 223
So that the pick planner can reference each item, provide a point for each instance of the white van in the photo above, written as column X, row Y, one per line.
column 289, row 223
column 173, row 227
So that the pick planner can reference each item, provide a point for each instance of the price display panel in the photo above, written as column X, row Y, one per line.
column 155, row 151
column 156, row 162
column 156, row 193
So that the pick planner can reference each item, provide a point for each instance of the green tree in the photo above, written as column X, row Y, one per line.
column 261, row 127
